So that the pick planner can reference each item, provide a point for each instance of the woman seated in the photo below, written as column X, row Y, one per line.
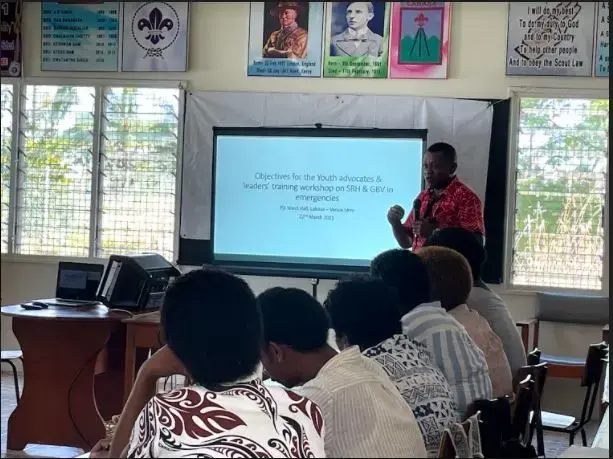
column 451, row 281
column 366, row 313
column 213, row 327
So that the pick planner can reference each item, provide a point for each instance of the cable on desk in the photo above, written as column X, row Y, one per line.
column 92, row 358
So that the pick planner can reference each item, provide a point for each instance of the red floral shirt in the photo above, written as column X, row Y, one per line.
column 455, row 206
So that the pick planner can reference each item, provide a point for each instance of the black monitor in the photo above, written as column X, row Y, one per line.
column 78, row 281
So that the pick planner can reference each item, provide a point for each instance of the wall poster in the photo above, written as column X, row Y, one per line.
column 357, row 39
column 550, row 38
column 10, row 44
column 419, row 39
column 155, row 36
column 80, row 36
column 601, row 60
column 285, row 39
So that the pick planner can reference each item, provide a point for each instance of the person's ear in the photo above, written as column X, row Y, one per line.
column 275, row 353
column 453, row 169
column 371, row 16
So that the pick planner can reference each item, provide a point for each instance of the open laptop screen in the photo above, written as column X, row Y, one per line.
column 78, row 281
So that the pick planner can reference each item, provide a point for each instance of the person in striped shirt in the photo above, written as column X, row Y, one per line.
column 452, row 349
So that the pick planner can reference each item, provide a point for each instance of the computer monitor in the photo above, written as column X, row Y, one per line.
column 78, row 281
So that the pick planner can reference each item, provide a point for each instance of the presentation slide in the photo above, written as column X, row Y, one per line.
column 310, row 200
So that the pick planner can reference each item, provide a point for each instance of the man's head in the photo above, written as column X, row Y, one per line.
column 406, row 273
column 440, row 164
column 287, row 12
column 212, row 323
column 363, row 312
column 463, row 241
column 359, row 14
column 450, row 275
column 295, row 324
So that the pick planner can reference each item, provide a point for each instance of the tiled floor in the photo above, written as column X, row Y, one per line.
column 555, row 444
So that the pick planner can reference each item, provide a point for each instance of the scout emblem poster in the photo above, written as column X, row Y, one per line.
column 550, row 38
column 601, row 62
column 80, row 36
column 10, row 51
column 420, row 39
column 285, row 39
column 155, row 36
column 357, row 35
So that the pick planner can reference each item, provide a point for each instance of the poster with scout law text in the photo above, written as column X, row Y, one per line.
column 601, row 60
column 357, row 38
column 419, row 38
column 285, row 39
column 155, row 36
column 10, row 27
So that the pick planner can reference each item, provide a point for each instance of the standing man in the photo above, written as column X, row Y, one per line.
column 357, row 39
column 290, row 41
column 445, row 203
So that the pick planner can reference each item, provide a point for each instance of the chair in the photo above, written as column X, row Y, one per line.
column 538, row 372
column 9, row 357
column 523, row 406
column 495, row 425
column 569, row 309
column 592, row 374
column 462, row 440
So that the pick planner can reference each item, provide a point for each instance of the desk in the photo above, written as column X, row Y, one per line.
column 582, row 451
column 73, row 375
column 142, row 333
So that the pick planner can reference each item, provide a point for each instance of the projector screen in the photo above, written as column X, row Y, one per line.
column 309, row 202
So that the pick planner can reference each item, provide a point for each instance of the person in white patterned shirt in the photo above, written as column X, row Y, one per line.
column 213, row 329
column 453, row 351
column 364, row 413
column 366, row 312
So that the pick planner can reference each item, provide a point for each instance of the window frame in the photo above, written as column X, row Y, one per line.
column 516, row 94
column 99, row 86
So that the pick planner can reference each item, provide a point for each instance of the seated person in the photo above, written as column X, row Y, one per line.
column 451, row 281
column 452, row 349
column 366, row 313
column 213, row 329
column 481, row 299
column 364, row 414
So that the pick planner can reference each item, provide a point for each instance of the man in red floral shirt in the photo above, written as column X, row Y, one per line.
column 446, row 202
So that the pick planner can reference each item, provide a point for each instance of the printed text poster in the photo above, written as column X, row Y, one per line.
column 357, row 39
column 285, row 39
column 10, row 51
column 550, row 38
column 155, row 36
column 419, row 39
column 601, row 62
column 80, row 36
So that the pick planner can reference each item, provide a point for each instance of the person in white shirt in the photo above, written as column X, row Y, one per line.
column 453, row 351
column 481, row 298
column 213, row 329
column 365, row 312
column 364, row 414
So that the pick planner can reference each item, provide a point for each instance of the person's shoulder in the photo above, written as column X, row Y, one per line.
column 373, row 36
column 338, row 37
column 299, row 32
column 465, row 190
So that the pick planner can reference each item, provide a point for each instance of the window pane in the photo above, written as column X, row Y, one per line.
column 55, row 179
column 137, row 205
column 560, row 193
column 7, row 139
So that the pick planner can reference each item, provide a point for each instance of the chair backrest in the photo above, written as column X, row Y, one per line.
column 537, row 371
column 523, row 406
column 534, row 357
column 495, row 425
column 462, row 440
column 592, row 374
column 575, row 309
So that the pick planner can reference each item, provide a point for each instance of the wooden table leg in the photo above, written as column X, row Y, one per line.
column 57, row 406
column 130, row 362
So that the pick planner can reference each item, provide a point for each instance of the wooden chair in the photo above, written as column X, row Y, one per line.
column 447, row 448
column 9, row 357
column 568, row 309
column 495, row 424
column 591, row 377
column 523, row 406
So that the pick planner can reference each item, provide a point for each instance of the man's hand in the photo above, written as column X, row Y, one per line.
column 423, row 228
column 395, row 214
column 101, row 449
column 162, row 364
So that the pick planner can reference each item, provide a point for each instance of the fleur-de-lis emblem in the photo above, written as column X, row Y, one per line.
column 155, row 25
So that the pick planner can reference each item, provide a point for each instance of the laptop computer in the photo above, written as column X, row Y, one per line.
column 77, row 284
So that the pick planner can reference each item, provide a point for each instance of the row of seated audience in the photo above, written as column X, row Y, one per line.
column 411, row 358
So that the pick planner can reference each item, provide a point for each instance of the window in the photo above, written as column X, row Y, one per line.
column 97, row 171
column 6, row 126
column 560, row 194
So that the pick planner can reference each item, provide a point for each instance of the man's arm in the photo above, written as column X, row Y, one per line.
column 401, row 233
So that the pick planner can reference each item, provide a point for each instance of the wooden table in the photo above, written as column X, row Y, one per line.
column 142, row 334
column 73, row 375
column 582, row 451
